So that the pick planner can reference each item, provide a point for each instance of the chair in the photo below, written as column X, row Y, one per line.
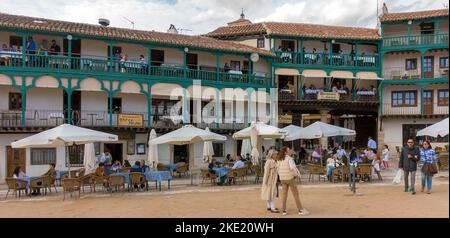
column 299, row 178
column 49, row 181
column 315, row 169
column 182, row 170
column 258, row 172
column 206, row 175
column 443, row 161
column 242, row 173
column 39, row 183
column 137, row 180
column 71, row 185
column 17, row 185
column 345, row 172
column 337, row 173
column 115, row 182
column 365, row 171
column 88, row 180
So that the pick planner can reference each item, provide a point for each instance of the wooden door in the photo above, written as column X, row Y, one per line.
column 428, row 102
column 14, row 158
column 428, row 66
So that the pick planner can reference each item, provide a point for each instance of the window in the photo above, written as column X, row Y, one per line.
column 43, row 156
column 443, row 62
column 443, row 97
column 218, row 149
column 76, row 155
column 336, row 48
column 15, row 101
column 116, row 105
column 15, row 41
column 157, row 57
column 404, row 98
column 411, row 64
column 260, row 43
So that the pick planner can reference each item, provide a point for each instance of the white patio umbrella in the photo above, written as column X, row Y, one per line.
column 318, row 130
column 246, row 147
column 89, row 158
column 435, row 130
column 152, row 150
column 64, row 135
column 208, row 150
column 264, row 131
column 254, row 142
column 292, row 129
column 188, row 134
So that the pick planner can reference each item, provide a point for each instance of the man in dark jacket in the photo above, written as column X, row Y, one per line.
column 409, row 157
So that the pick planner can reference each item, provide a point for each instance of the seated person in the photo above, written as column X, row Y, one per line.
column 116, row 166
column 18, row 173
column 51, row 171
column 126, row 164
column 317, row 154
column 211, row 165
column 370, row 155
column 239, row 163
column 100, row 172
column 227, row 159
column 247, row 157
column 136, row 168
column 144, row 167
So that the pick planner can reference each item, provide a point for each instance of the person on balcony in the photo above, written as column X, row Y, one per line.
column 54, row 48
column 226, row 68
column 31, row 46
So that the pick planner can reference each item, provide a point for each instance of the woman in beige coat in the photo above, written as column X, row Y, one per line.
column 268, row 189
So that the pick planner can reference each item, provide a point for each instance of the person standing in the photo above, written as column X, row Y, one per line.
column 409, row 157
column 427, row 159
column 385, row 157
column 288, row 171
column 372, row 144
column 269, row 183
column 54, row 48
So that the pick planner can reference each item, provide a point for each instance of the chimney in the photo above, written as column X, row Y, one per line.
column 172, row 29
column 385, row 9
column 103, row 21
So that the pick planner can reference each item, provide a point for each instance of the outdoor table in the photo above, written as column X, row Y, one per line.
column 28, row 179
column 172, row 166
column 366, row 93
column 313, row 91
column 285, row 91
column 220, row 172
column 56, row 116
column 125, row 175
column 342, row 91
column 158, row 176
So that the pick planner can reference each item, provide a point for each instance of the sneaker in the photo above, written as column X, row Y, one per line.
column 406, row 190
column 268, row 209
column 412, row 191
column 284, row 213
column 274, row 210
column 303, row 212
column 428, row 192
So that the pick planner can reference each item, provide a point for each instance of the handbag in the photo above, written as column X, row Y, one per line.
column 430, row 169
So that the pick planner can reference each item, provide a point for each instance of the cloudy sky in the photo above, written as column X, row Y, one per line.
column 202, row 16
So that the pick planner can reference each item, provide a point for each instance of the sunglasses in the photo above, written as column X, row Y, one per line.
column 410, row 142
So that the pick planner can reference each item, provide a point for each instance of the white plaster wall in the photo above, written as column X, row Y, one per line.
column 173, row 56
column 133, row 102
column 44, row 98
column 94, row 101
column 393, row 131
column 249, row 42
column 94, row 48
column 133, row 51
column 402, row 29
column 140, row 138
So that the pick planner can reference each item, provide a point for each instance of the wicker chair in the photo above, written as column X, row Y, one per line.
column 184, row 169
column 443, row 161
column 259, row 172
column 137, row 179
column 39, row 183
column 206, row 175
column 71, row 185
column 49, row 182
column 115, row 182
column 98, row 180
column 89, row 181
column 345, row 172
column 315, row 169
column 77, row 173
column 17, row 185
column 242, row 173
column 365, row 171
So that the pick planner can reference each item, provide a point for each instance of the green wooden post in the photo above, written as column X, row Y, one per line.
column 111, row 94
column 436, row 32
column 421, row 99
column 149, row 60
column 149, row 106
column 249, row 107
column 111, row 56
column 354, row 89
column 24, row 49
column 249, row 70
column 69, row 101
column 300, row 87
column 331, row 53
column 356, row 54
column 23, row 91
column 409, row 34
column 218, row 67
column 69, row 53
column 422, row 71
column 380, row 92
column 185, row 63
column 185, row 107
column 301, row 52
column 218, row 108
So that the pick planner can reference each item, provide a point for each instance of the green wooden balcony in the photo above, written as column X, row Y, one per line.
column 60, row 63
column 411, row 41
column 323, row 59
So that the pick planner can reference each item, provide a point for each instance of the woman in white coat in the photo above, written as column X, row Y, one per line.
column 268, row 189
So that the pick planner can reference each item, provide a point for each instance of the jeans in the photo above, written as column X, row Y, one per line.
column 428, row 179
column 413, row 179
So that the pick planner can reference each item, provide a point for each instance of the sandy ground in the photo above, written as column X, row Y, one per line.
column 322, row 200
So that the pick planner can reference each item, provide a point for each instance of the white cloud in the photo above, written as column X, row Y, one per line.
column 202, row 16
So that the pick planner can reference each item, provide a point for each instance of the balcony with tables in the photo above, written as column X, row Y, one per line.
column 405, row 42
column 157, row 70
column 434, row 109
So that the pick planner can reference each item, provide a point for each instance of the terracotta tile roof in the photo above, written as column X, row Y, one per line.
column 402, row 16
column 237, row 30
column 239, row 22
column 298, row 30
column 48, row 25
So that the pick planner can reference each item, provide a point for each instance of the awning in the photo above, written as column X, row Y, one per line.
column 368, row 76
column 285, row 71
column 314, row 73
column 342, row 74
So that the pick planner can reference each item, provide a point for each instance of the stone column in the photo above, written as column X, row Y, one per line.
column 324, row 119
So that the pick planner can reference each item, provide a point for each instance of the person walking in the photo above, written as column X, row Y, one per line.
column 287, row 172
column 372, row 144
column 427, row 160
column 409, row 157
column 385, row 157
column 269, row 183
